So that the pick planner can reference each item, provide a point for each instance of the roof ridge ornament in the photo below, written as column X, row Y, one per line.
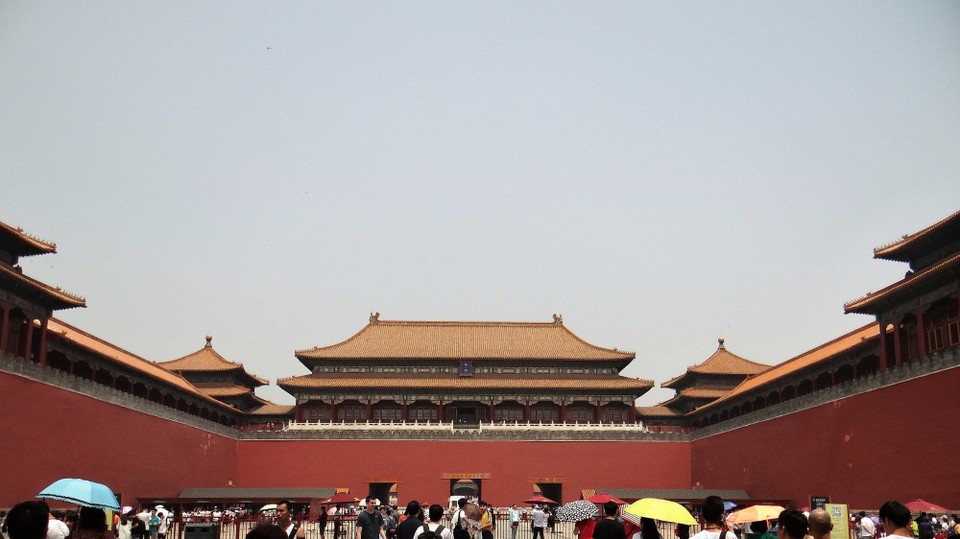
column 209, row 342
column 720, row 340
column 558, row 319
column 374, row 318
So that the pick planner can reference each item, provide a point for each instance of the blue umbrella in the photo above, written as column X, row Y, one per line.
column 81, row 492
column 728, row 506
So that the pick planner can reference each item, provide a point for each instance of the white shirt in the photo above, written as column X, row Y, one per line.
column 867, row 529
column 57, row 529
column 445, row 534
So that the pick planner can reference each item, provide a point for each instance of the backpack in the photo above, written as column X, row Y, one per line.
column 438, row 531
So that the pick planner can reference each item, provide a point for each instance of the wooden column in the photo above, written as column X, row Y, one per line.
column 596, row 413
column 5, row 328
column 563, row 411
column 493, row 415
column 897, row 348
column 369, row 409
column 28, row 344
column 42, row 352
column 884, row 361
column 921, row 334
column 404, row 415
column 298, row 412
column 440, row 412
column 333, row 411
column 526, row 411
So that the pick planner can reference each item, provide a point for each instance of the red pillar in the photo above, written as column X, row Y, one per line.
column 921, row 334
column 5, row 328
column 897, row 352
column 28, row 345
column 333, row 411
column 369, row 410
column 404, row 416
column 42, row 353
column 563, row 411
column 440, row 412
column 493, row 415
column 596, row 413
column 298, row 412
column 884, row 340
column 526, row 412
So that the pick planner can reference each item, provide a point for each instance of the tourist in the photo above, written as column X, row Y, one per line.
column 91, row 524
column 514, row 516
column 28, row 520
column 866, row 526
column 924, row 527
column 370, row 521
column 791, row 524
column 435, row 515
column 412, row 522
column 711, row 515
column 584, row 528
column 460, row 526
column 322, row 520
column 125, row 524
column 153, row 524
column 895, row 519
column 820, row 524
column 56, row 529
column 486, row 522
column 137, row 528
column 285, row 521
column 647, row 529
column 609, row 527
column 539, row 522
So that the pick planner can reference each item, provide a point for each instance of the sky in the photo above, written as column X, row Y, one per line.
column 661, row 174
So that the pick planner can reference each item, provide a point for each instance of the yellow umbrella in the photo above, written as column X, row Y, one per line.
column 658, row 509
column 755, row 513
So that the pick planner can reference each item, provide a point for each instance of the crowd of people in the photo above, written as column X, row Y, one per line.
column 35, row 520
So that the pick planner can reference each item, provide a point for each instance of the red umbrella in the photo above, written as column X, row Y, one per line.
column 603, row 497
column 342, row 497
column 921, row 505
column 539, row 499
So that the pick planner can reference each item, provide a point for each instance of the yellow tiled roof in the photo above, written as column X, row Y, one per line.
column 894, row 250
column 453, row 381
column 722, row 362
column 207, row 359
column 57, row 297
column 464, row 340
column 272, row 409
column 26, row 244
column 807, row 359
column 61, row 329
column 866, row 304
column 657, row 411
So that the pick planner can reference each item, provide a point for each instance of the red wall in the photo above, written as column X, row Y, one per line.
column 899, row 442
column 48, row 433
column 418, row 466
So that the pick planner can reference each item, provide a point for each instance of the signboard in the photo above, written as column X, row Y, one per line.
column 840, row 517
column 819, row 502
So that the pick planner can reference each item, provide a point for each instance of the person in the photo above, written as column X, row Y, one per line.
column 28, row 520
column 895, row 519
column 648, row 529
column 925, row 527
column 539, row 522
column 390, row 522
column 760, row 530
column 609, row 527
column 92, row 524
column 866, row 526
column 137, row 528
column 56, row 529
column 285, row 521
column 514, row 516
column 435, row 515
column 369, row 521
column 791, row 524
column 584, row 528
column 266, row 531
column 123, row 527
column 711, row 515
column 820, row 524
column 322, row 520
column 486, row 522
column 153, row 524
column 682, row 531
column 460, row 525
column 407, row 528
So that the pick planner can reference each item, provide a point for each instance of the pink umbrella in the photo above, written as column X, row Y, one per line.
column 920, row 505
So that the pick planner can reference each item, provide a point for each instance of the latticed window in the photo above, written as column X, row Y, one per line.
column 508, row 413
column 580, row 414
column 388, row 413
column 545, row 413
column 423, row 413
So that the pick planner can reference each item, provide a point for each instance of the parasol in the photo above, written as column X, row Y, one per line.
column 920, row 505
column 81, row 492
column 603, row 497
column 755, row 513
column 658, row 509
column 576, row 511
column 539, row 499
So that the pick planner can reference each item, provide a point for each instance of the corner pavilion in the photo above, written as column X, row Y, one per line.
column 465, row 373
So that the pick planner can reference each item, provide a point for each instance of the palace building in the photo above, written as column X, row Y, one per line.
column 465, row 373
column 505, row 408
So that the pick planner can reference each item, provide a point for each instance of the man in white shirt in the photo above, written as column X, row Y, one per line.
column 434, row 515
column 284, row 520
column 56, row 529
column 867, row 529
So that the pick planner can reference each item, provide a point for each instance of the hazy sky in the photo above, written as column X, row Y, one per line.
column 660, row 174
